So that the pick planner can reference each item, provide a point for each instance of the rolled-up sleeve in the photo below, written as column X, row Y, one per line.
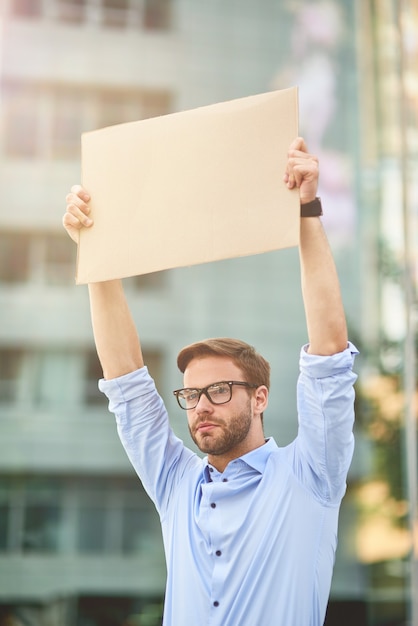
column 157, row 455
column 325, row 442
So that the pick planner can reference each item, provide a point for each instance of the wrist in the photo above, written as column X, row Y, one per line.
column 312, row 208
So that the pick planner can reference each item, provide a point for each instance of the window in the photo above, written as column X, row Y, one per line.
column 4, row 517
column 41, row 521
column 42, row 517
column 44, row 258
column 71, row 10
column 112, row 109
column 115, row 12
column 21, row 120
column 92, row 515
column 117, row 107
column 153, row 360
column 11, row 360
column 46, row 121
column 49, row 382
column 14, row 257
column 92, row 395
column 152, row 14
column 84, row 515
column 47, row 379
column 155, row 103
column 26, row 8
column 57, row 378
column 157, row 14
column 139, row 530
column 59, row 260
column 68, row 122
column 145, row 610
column 153, row 280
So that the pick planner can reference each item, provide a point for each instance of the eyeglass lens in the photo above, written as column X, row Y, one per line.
column 218, row 393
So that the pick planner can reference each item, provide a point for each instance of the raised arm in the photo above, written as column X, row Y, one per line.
column 325, row 318
column 116, row 338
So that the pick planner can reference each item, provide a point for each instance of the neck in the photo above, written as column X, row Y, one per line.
column 221, row 461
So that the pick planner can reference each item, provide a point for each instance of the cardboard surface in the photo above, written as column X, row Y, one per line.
column 190, row 187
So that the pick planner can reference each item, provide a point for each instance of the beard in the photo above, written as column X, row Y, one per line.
column 227, row 434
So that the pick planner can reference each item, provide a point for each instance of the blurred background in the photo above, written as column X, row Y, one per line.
column 80, row 543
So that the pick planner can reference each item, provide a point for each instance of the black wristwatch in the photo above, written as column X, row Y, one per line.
column 311, row 209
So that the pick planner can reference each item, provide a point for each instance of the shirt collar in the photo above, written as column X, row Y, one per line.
column 256, row 459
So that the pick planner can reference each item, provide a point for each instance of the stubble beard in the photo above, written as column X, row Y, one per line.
column 226, row 436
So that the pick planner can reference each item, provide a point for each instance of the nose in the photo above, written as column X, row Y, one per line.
column 204, row 405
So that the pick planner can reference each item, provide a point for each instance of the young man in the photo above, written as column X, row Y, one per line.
column 250, row 531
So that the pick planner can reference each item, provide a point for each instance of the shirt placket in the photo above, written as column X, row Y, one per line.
column 217, row 532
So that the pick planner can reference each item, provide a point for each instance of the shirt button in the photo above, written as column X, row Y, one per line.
column 216, row 603
column 224, row 480
column 218, row 553
column 213, row 505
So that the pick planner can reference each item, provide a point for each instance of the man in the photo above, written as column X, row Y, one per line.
column 250, row 530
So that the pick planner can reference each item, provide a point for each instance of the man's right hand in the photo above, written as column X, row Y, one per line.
column 77, row 213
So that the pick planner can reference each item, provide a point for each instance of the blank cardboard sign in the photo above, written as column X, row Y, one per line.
column 190, row 187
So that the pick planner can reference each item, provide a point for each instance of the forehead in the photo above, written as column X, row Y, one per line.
column 203, row 371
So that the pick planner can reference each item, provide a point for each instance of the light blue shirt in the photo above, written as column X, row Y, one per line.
column 255, row 545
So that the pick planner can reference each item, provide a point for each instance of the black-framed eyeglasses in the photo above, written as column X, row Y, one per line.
column 217, row 393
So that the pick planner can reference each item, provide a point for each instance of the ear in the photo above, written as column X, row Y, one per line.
column 261, row 398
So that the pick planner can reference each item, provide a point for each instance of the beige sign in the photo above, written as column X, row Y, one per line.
column 190, row 187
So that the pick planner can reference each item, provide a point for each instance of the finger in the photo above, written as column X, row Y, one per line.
column 77, row 207
column 298, row 144
column 79, row 191
column 69, row 221
column 307, row 162
column 72, row 225
column 78, row 196
column 78, row 210
column 297, row 157
column 290, row 181
column 294, row 173
column 75, row 200
column 298, row 176
column 304, row 176
column 297, row 149
column 288, row 174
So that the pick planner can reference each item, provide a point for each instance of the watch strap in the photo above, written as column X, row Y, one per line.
column 311, row 209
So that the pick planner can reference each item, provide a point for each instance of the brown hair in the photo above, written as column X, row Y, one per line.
column 255, row 368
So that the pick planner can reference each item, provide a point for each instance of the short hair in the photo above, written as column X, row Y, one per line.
column 255, row 368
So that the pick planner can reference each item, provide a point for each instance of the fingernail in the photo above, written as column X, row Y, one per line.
column 88, row 222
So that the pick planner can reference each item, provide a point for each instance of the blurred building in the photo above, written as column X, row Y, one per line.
column 80, row 543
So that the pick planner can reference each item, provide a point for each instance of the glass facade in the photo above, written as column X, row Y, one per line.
column 80, row 543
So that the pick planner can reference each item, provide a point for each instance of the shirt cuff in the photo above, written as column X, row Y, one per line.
column 129, row 386
column 317, row 366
